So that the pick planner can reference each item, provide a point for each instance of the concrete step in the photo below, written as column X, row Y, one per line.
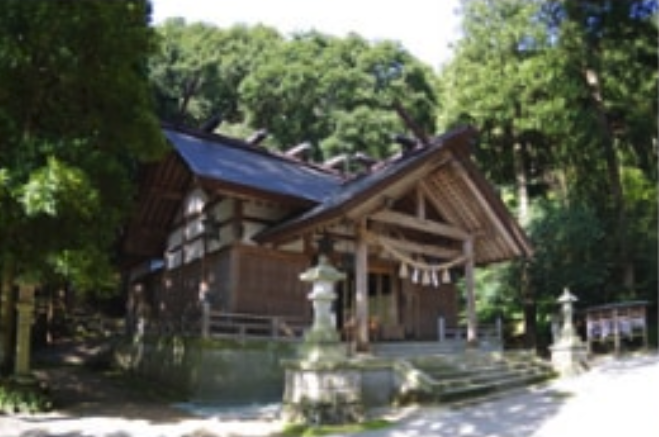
column 485, row 378
column 478, row 390
column 443, row 371
column 416, row 349
column 458, row 378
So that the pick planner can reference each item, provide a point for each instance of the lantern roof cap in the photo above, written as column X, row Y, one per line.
column 324, row 271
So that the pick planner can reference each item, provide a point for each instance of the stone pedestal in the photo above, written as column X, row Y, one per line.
column 321, row 385
column 569, row 355
column 569, row 360
column 322, row 394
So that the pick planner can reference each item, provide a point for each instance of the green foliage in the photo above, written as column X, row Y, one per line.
column 16, row 397
column 337, row 93
column 569, row 242
column 57, row 188
column 334, row 93
column 198, row 69
column 75, row 121
column 564, row 95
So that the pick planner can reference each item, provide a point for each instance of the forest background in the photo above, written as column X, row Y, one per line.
column 563, row 93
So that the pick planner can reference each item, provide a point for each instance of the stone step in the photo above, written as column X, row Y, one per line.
column 480, row 390
column 472, row 376
column 416, row 349
column 447, row 371
column 491, row 377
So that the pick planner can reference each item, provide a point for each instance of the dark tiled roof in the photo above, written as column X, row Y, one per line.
column 217, row 158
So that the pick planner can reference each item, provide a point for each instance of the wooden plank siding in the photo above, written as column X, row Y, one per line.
column 270, row 283
column 421, row 306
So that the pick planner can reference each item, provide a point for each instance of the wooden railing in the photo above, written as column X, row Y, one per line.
column 486, row 332
column 232, row 325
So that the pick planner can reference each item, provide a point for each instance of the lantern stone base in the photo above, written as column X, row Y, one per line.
column 569, row 359
column 322, row 346
column 322, row 393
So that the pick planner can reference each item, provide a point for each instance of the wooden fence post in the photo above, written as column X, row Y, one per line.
column 441, row 326
column 205, row 319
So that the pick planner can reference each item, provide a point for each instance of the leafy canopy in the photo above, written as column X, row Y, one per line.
column 77, row 117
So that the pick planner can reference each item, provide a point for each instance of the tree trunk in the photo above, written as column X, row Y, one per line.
column 529, row 308
column 7, row 317
column 521, row 183
column 623, row 254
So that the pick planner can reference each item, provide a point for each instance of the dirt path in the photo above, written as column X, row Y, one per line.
column 81, row 392
column 93, row 403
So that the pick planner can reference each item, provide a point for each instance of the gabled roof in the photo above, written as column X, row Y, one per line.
column 467, row 200
column 229, row 161
column 357, row 191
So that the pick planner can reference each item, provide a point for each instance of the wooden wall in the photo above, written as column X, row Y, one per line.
column 422, row 305
column 270, row 283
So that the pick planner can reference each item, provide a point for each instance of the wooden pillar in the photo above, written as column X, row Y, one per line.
column 361, row 292
column 472, row 323
column 616, row 332
column 645, row 329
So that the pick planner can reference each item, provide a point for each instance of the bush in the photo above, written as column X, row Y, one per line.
column 19, row 397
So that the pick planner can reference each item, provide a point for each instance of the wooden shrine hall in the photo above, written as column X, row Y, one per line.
column 227, row 223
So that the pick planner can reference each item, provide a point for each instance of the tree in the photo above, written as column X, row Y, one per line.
column 610, row 49
column 563, row 93
column 198, row 69
column 76, row 118
column 496, row 82
column 338, row 94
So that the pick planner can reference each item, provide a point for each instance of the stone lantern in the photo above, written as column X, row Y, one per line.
column 322, row 385
column 568, row 353
column 567, row 334
column 321, row 341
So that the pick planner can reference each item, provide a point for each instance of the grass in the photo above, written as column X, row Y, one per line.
column 300, row 430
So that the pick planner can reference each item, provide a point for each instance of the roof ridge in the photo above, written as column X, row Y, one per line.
column 220, row 139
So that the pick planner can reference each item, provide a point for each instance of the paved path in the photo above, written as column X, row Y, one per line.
column 617, row 398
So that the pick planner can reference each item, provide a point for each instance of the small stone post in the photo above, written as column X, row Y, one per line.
column 568, row 353
column 25, row 309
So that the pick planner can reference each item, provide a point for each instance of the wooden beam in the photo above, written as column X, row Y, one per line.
column 501, row 229
column 165, row 193
column 424, row 189
column 361, row 291
column 408, row 221
column 420, row 203
column 472, row 321
column 238, row 228
column 418, row 248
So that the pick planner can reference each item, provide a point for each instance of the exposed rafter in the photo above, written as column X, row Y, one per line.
column 408, row 221
column 478, row 195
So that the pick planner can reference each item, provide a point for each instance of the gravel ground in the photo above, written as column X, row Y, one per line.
column 617, row 397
